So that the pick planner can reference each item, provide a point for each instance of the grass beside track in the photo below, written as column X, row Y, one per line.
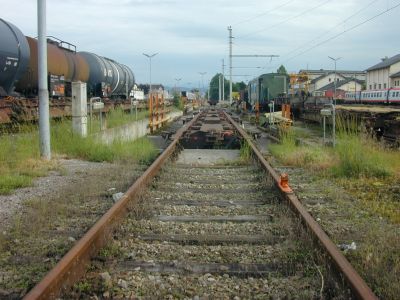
column 358, row 162
column 354, row 190
column 117, row 117
column 20, row 158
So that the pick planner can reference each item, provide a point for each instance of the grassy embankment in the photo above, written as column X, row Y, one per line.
column 19, row 153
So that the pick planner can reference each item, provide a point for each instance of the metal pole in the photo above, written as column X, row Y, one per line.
column 209, row 85
column 176, row 83
column 91, row 113
column 334, row 125
column 334, row 93
column 223, row 80
column 150, row 76
column 202, row 81
column 126, row 85
column 334, row 59
column 150, row 57
column 333, row 105
column 324, row 130
column 230, row 64
column 219, row 88
column 44, row 116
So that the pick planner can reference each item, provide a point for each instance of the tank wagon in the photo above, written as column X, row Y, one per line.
column 19, row 68
column 267, row 87
column 14, row 56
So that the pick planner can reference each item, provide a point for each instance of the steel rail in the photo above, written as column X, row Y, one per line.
column 73, row 265
column 357, row 285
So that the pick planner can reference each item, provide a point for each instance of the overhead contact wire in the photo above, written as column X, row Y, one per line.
column 332, row 28
column 286, row 20
column 344, row 31
column 264, row 13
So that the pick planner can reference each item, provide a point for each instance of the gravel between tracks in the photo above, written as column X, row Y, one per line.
column 136, row 265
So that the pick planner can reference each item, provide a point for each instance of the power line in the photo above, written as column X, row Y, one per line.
column 264, row 13
column 332, row 28
column 343, row 32
column 286, row 20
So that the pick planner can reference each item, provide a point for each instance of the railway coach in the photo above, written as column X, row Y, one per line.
column 266, row 88
column 389, row 96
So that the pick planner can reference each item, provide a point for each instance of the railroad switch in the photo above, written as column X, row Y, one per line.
column 284, row 183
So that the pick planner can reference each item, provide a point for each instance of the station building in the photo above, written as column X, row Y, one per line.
column 385, row 74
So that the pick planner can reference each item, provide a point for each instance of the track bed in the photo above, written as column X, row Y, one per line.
column 219, row 232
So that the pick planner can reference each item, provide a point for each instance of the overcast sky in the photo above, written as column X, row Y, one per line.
column 191, row 36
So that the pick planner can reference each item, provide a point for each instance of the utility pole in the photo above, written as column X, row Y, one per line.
column 202, row 82
column 219, row 88
column 223, row 80
column 177, row 82
column 150, row 57
column 230, row 63
column 209, row 88
column 333, row 106
column 44, row 115
column 335, row 59
column 243, row 55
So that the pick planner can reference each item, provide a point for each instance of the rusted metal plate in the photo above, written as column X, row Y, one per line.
column 358, row 286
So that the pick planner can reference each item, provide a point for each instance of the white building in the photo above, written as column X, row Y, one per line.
column 324, row 80
column 137, row 93
column 395, row 80
column 313, row 74
column 342, row 86
column 384, row 74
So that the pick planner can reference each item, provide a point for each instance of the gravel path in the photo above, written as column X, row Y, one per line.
column 71, row 172
column 41, row 223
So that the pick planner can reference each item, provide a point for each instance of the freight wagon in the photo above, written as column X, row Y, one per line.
column 19, row 68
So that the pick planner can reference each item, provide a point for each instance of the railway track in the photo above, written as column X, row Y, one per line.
column 193, row 238
column 229, row 231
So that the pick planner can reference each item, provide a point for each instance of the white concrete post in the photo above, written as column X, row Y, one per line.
column 79, row 108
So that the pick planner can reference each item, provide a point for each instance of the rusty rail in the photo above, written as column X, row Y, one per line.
column 72, row 266
column 358, row 286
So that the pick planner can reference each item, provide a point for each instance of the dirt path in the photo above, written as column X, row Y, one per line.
column 41, row 223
